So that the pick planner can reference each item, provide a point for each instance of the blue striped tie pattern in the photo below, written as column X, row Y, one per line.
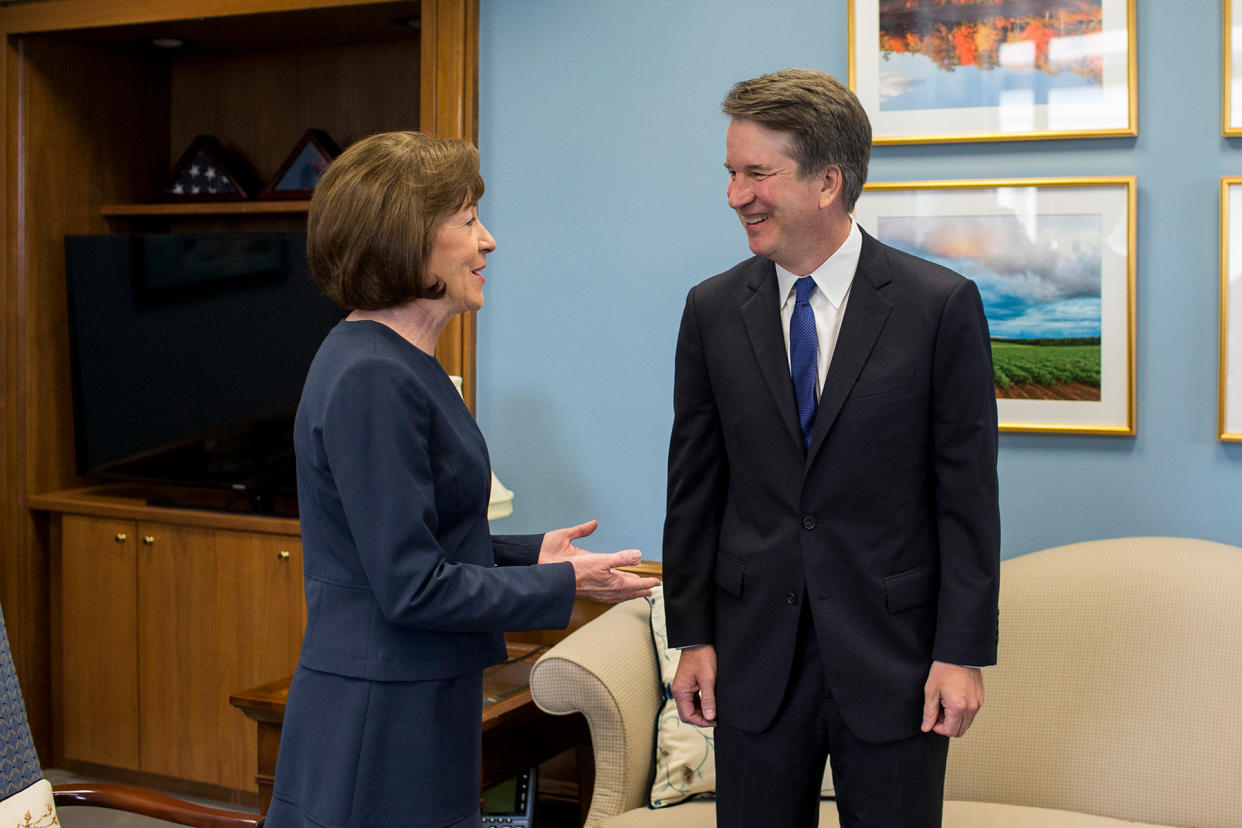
column 803, row 352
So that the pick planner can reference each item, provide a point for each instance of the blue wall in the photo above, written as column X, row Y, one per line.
column 602, row 145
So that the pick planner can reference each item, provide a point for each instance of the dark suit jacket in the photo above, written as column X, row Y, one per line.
column 889, row 526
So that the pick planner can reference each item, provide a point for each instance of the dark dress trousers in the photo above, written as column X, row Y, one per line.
column 408, row 595
column 887, row 528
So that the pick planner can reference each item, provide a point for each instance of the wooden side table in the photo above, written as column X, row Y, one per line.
column 517, row 735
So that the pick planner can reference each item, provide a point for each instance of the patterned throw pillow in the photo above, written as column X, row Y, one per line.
column 685, row 757
column 31, row 807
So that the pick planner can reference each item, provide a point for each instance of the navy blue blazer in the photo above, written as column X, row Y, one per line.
column 403, row 579
column 888, row 526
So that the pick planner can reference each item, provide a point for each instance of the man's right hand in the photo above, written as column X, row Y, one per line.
column 694, row 686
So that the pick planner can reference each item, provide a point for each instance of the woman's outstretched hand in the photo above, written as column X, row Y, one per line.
column 596, row 576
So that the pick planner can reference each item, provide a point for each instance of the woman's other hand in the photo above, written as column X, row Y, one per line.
column 596, row 576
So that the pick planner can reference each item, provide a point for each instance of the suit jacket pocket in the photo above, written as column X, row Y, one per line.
column 908, row 589
column 874, row 386
column 729, row 572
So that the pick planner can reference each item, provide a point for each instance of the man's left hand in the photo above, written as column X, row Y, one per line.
column 951, row 698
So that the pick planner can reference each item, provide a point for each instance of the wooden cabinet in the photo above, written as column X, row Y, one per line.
column 159, row 622
column 217, row 610
column 95, row 115
column 98, row 634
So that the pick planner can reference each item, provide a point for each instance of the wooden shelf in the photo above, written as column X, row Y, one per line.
column 133, row 502
column 213, row 208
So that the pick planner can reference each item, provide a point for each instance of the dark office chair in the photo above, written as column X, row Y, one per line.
column 28, row 800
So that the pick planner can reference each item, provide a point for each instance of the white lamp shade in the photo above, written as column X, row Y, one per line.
column 500, row 502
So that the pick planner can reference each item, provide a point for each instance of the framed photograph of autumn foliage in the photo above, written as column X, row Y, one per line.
column 1053, row 259
column 994, row 70
column 1231, row 97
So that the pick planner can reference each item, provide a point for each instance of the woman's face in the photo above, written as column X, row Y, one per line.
column 458, row 256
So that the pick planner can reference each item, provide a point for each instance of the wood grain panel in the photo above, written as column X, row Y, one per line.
column 52, row 15
column 134, row 502
column 99, row 630
column 178, row 667
column 101, row 109
column 262, row 615
column 449, row 109
column 72, row 137
column 9, row 576
column 260, row 103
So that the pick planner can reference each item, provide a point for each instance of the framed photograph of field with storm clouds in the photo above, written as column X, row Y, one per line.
column 994, row 70
column 1054, row 262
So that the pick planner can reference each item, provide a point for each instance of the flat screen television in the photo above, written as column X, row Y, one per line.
column 188, row 357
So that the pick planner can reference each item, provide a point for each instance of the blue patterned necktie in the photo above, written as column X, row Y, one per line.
column 803, row 348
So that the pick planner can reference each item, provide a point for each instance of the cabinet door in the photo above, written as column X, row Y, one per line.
column 98, row 692
column 220, row 611
column 178, row 651
column 262, row 616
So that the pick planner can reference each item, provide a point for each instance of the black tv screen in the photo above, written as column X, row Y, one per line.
column 188, row 356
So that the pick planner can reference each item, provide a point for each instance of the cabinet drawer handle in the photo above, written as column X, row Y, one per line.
column 121, row 537
column 149, row 539
column 283, row 554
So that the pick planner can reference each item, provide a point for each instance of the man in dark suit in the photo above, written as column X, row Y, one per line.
column 831, row 548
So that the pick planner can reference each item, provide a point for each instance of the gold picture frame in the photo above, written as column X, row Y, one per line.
column 988, row 70
column 1229, row 378
column 1054, row 260
column 1231, row 81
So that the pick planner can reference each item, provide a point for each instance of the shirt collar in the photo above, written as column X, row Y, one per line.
column 834, row 276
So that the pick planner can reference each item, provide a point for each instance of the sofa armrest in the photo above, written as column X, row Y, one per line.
column 606, row 670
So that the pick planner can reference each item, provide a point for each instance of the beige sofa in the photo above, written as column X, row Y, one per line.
column 1117, row 699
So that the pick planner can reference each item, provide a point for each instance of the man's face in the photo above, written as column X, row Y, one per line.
column 782, row 213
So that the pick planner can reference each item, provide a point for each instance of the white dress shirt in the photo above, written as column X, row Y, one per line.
column 832, row 290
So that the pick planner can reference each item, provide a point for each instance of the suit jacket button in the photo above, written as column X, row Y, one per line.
column 791, row 599
column 808, row 522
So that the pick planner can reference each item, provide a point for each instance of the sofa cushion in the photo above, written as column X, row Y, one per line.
column 956, row 815
column 1116, row 686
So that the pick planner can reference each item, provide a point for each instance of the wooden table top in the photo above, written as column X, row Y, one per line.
column 506, row 689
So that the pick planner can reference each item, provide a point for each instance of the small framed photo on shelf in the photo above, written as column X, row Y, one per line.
column 1231, row 97
column 206, row 171
column 994, row 70
column 1054, row 262
column 301, row 171
column 1229, row 382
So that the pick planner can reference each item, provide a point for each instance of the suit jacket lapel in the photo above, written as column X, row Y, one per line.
column 865, row 314
column 761, row 315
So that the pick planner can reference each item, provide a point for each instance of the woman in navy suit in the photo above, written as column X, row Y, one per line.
column 408, row 594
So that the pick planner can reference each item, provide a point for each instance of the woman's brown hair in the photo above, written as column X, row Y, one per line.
column 375, row 212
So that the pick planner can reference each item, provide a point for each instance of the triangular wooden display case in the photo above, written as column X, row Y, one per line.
column 206, row 172
column 298, row 176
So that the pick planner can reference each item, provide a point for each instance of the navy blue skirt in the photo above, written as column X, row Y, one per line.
column 355, row 753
